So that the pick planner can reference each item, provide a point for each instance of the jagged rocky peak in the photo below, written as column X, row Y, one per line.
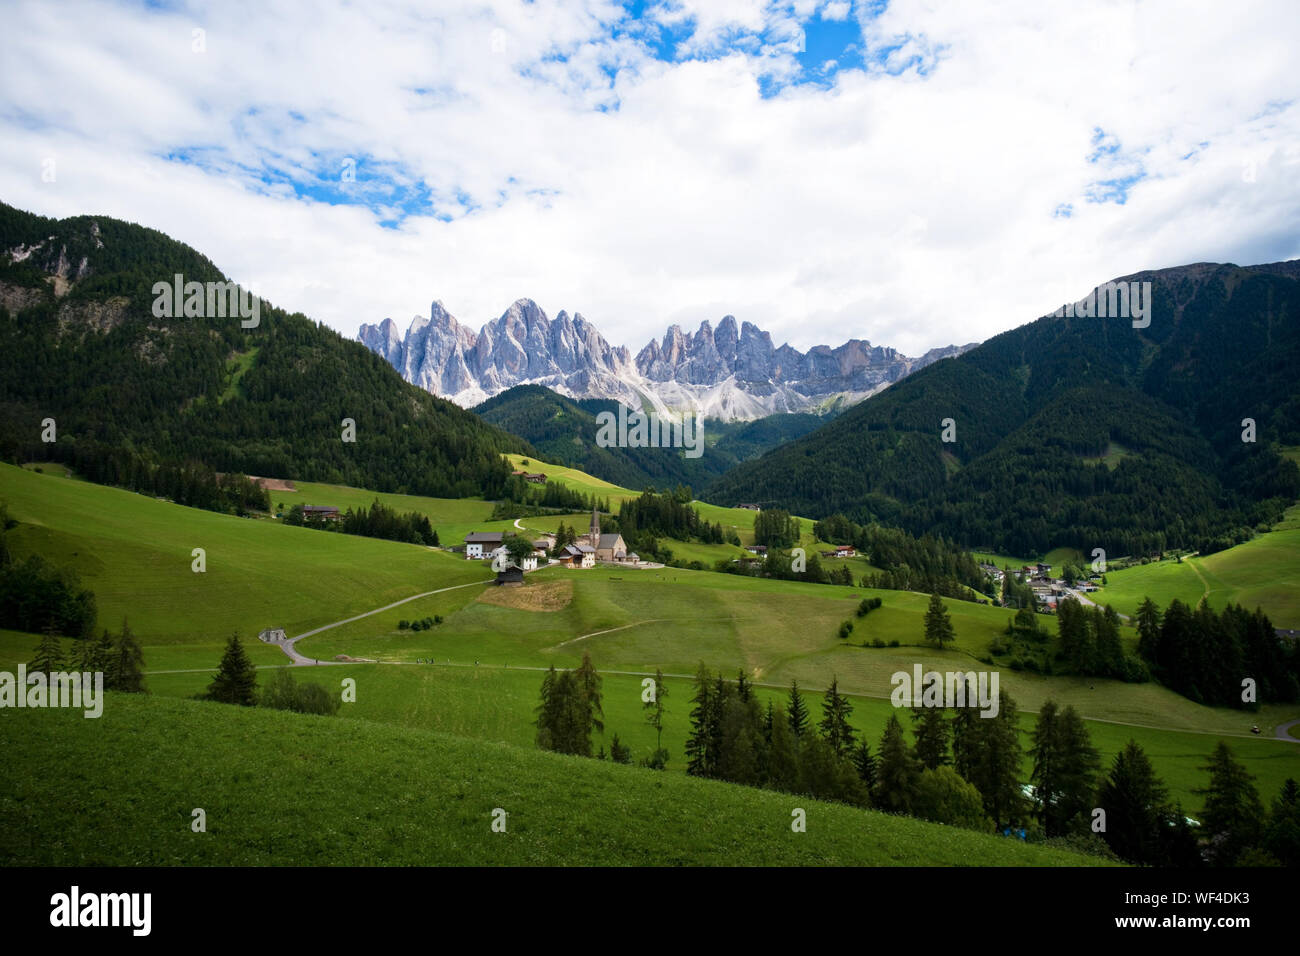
column 727, row 371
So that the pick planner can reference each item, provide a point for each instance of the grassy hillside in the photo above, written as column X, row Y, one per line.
column 134, row 552
column 1263, row 572
column 565, row 430
column 1063, row 427
column 279, row 788
column 495, row 703
column 134, row 394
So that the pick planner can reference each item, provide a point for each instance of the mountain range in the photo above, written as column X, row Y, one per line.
column 1091, row 432
column 564, row 430
column 728, row 373
column 135, row 397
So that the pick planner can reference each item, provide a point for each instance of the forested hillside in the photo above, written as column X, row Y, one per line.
column 161, row 403
column 563, row 430
column 1083, row 432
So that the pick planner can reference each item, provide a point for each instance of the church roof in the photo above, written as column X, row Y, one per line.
column 609, row 540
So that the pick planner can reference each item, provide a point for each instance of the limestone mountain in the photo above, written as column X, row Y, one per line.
column 132, row 395
column 728, row 374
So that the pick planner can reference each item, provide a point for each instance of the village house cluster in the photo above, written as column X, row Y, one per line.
column 587, row 551
column 1048, row 591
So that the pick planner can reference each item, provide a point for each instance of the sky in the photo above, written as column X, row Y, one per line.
column 913, row 173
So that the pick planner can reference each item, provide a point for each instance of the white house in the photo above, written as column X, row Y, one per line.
column 583, row 555
column 481, row 544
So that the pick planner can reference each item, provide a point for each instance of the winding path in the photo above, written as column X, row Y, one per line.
column 1283, row 731
column 287, row 645
column 301, row 660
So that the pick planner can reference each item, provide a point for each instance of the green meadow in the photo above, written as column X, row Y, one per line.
column 280, row 788
column 1263, row 572
column 134, row 552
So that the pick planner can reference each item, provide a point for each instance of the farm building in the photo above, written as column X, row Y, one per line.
column 480, row 544
column 511, row 576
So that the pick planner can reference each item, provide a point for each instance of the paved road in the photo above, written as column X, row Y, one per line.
column 1078, row 596
column 1283, row 731
column 287, row 645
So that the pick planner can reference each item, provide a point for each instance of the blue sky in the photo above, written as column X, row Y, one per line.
column 911, row 173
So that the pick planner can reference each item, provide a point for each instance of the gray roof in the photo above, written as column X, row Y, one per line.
column 484, row 537
column 609, row 540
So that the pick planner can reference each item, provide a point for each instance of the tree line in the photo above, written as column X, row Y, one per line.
column 377, row 521
column 118, row 657
column 1206, row 656
column 236, row 683
column 39, row 597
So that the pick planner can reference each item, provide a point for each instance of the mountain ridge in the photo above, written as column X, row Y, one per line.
column 1039, row 409
column 732, row 373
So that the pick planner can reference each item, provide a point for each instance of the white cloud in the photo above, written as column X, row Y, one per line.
column 911, row 210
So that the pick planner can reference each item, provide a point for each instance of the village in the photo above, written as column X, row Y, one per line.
column 1048, row 591
column 586, row 551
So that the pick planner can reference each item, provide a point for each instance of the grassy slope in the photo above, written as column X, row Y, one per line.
column 135, row 553
column 452, row 518
column 777, row 630
column 1263, row 572
column 496, row 703
column 280, row 788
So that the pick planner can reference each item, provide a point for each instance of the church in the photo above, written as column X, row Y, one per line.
column 608, row 547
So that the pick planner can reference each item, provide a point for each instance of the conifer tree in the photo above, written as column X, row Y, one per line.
column 700, row 756
column 931, row 729
column 48, row 658
column 619, row 752
column 782, row 754
column 569, row 716
column 91, row 657
column 1283, row 834
column 938, row 626
column 796, row 711
column 836, row 710
column 589, row 684
column 994, row 764
column 236, row 679
column 1065, row 768
column 1232, row 813
column 1134, row 801
column 545, row 713
column 865, row 764
column 655, row 712
column 126, row 663
column 897, row 770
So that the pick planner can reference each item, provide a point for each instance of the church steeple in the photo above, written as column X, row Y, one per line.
column 595, row 528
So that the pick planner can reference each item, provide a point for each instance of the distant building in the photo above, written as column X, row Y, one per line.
column 537, row 478
column 749, row 507
column 845, row 551
column 757, row 549
column 274, row 635
column 512, row 575
column 477, row 541
column 323, row 512
column 581, row 555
